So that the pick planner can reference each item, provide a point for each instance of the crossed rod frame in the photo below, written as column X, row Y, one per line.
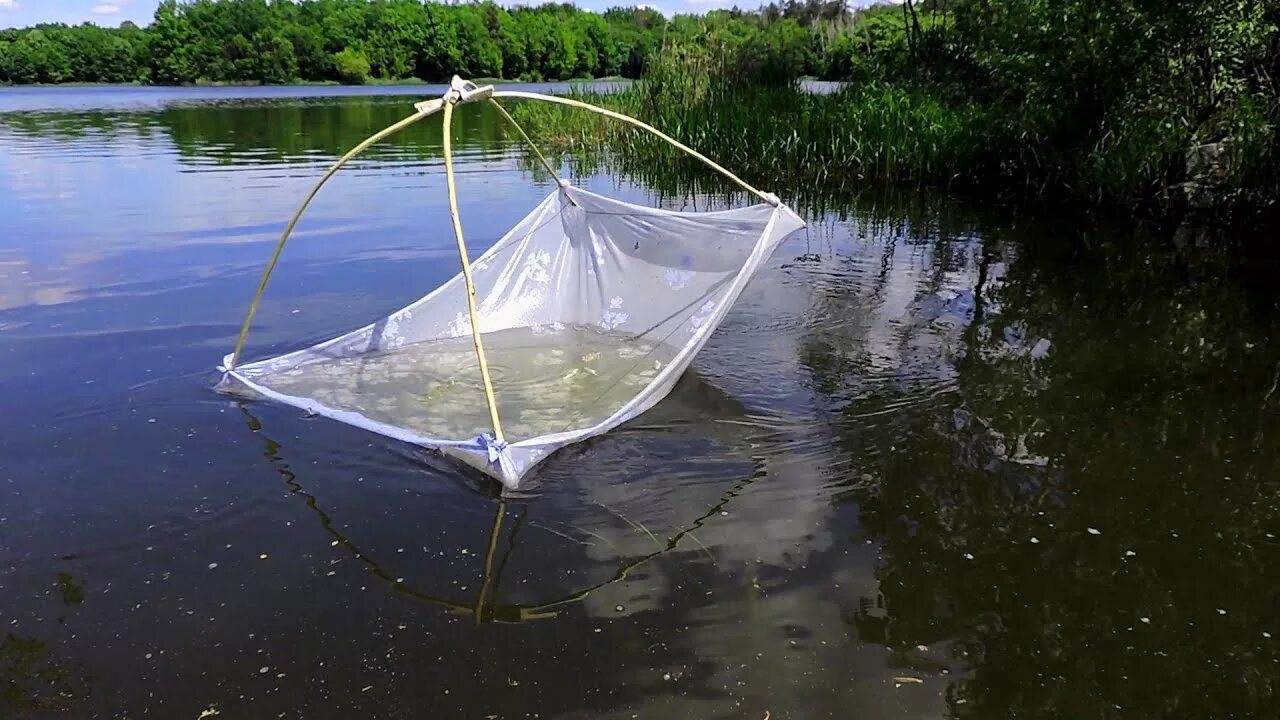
column 460, row 92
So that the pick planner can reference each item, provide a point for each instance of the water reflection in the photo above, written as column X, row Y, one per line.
column 212, row 135
column 1090, row 517
column 940, row 461
column 623, row 535
column 197, row 177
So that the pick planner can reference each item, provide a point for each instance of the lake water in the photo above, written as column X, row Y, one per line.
column 939, row 461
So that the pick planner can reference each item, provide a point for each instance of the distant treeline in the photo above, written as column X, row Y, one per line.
column 234, row 41
column 284, row 41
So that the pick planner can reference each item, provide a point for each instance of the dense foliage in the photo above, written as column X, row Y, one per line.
column 1129, row 102
column 237, row 41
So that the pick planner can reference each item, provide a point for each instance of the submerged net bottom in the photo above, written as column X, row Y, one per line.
column 545, row 382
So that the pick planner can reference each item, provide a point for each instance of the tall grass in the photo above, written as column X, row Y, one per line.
column 783, row 138
column 776, row 135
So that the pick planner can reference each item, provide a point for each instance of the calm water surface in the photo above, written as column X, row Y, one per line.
column 940, row 461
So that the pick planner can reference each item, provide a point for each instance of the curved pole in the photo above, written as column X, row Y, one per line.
column 525, row 136
column 488, row 559
column 425, row 111
column 466, row 274
column 771, row 199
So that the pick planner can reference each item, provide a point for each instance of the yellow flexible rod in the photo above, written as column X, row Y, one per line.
column 466, row 273
column 643, row 126
column 293, row 222
column 494, row 534
column 525, row 136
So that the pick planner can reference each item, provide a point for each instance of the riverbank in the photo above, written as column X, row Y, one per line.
column 916, row 134
column 1159, row 111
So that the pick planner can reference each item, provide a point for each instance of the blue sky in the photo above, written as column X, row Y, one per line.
column 20, row 13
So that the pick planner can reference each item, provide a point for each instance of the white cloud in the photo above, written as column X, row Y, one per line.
column 8, row 4
column 103, row 9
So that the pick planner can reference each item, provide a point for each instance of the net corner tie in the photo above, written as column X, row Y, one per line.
column 493, row 446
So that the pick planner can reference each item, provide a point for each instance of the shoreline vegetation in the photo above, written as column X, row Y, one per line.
column 353, row 42
column 371, row 82
column 1163, row 110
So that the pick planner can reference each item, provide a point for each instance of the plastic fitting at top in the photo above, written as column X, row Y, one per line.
column 460, row 91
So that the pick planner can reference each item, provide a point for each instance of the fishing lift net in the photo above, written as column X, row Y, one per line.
column 581, row 317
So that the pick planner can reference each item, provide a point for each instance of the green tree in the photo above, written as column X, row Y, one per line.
column 275, row 61
column 440, row 56
column 173, row 60
column 397, row 29
column 314, row 63
column 481, row 55
column 503, row 31
column 352, row 66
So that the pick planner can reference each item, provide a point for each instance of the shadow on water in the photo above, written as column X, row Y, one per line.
column 691, row 391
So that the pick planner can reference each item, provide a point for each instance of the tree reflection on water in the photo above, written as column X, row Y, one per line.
column 1089, row 520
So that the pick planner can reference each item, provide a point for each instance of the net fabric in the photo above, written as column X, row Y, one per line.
column 589, row 310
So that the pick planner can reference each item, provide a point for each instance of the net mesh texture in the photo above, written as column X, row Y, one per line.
column 589, row 310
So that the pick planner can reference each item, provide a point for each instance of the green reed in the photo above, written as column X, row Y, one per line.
column 778, row 136
column 787, row 139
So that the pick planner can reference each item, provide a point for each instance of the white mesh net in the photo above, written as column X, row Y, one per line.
column 589, row 310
